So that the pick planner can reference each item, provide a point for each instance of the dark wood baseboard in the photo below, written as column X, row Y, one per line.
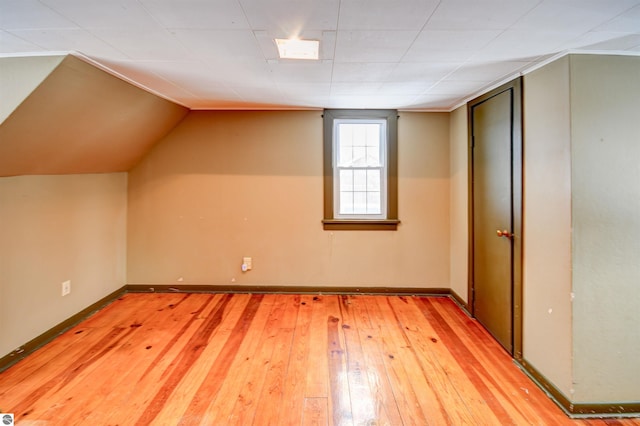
column 194, row 288
column 580, row 410
column 460, row 301
column 41, row 340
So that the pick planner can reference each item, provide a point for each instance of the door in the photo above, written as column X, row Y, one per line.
column 496, row 191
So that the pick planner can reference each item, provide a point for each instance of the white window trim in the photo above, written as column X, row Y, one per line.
column 383, row 168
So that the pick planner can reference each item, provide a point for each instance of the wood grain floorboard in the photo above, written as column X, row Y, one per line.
column 274, row 359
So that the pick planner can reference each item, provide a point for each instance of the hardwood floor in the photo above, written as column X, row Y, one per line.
column 241, row 359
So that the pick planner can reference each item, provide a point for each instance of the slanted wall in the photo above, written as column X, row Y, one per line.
column 80, row 119
column 19, row 76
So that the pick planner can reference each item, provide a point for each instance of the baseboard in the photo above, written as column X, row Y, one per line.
column 460, row 301
column 194, row 288
column 41, row 340
column 579, row 410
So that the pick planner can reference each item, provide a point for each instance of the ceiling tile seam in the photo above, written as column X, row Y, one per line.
column 121, row 76
column 420, row 31
column 525, row 14
column 534, row 66
column 335, row 46
column 616, row 17
column 44, row 49
column 426, row 91
column 165, row 29
column 89, row 31
column 170, row 32
column 60, row 14
column 171, row 83
column 253, row 30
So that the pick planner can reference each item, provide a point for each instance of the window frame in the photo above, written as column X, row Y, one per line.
column 337, row 169
column 390, row 222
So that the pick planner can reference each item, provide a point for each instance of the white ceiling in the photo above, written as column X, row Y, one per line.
column 407, row 54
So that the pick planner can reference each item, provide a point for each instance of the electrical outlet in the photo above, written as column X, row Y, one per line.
column 66, row 287
column 247, row 261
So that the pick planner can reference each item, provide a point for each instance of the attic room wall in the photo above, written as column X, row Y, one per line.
column 20, row 76
column 53, row 229
column 581, row 227
column 459, row 141
column 605, row 176
column 547, row 310
column 224, row 185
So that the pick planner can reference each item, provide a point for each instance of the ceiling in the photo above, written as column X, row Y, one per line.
column 406, row 54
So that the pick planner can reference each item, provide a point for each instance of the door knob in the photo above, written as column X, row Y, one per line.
column 504, row 233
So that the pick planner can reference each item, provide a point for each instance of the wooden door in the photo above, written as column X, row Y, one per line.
column 496, row 192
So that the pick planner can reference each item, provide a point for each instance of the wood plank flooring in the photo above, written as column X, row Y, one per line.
column 242, row 359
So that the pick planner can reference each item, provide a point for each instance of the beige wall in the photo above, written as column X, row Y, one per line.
column 53, row 229
column 581, row 227
column 547, row 315
column 224, row 185
column 459, row 193
column 605, row 134
column 19, row 76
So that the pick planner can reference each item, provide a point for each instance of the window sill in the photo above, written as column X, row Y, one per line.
column 360, row 225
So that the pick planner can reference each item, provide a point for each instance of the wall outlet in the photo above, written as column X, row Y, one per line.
column 246, row 262
column 66, row 287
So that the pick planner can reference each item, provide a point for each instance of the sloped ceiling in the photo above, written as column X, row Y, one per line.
column 81, row 119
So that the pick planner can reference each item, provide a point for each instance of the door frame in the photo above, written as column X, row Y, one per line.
column 515, row 87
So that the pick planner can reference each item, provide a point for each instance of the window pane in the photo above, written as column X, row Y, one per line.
column 346, row 202
column 359, row 156
column 373, row 135
column 345, row 156
column 373, row 203
column 346, row 180
column 359, row 202
column 373, row 180
column 373, row 145
column 373, row 156
column 360, row 180
column 359, row 134
column 345, row 134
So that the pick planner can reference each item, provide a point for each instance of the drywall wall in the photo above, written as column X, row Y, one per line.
column 459, row 166
column 53, row 229
column 19, row 76
column 81, row 119
column 547, row 315
column 605, row 174
column 224, row 185
column 581, row 228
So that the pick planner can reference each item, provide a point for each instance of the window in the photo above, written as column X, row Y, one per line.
column 360, row 169
column 359, row 161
